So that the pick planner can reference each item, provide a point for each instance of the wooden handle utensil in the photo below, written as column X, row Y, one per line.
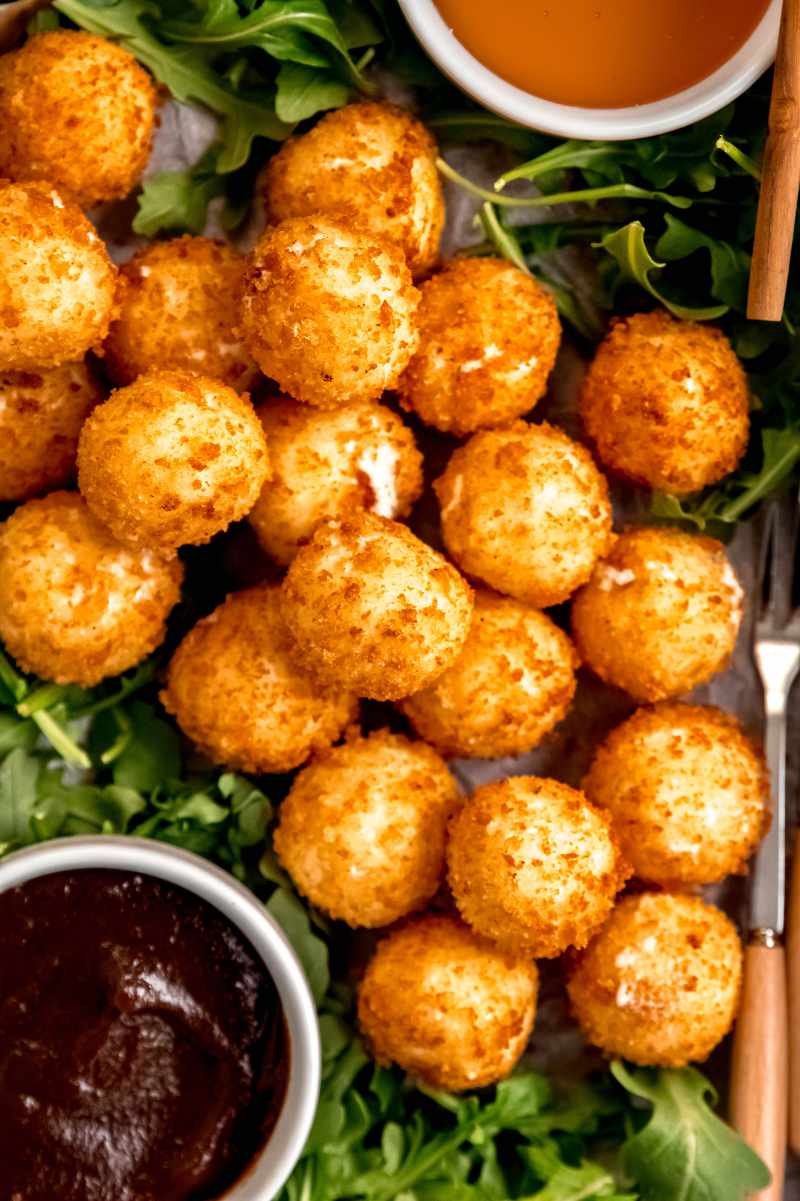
column 759, row 1081
column 780, row 178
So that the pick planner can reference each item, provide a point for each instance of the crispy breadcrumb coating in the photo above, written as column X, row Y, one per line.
column 659, row 984
column 369, row 605
column 172, row 459
column 661, row 613
column 489, row 335
column 665, row 403
column 57, row 284
column 327, row 463
column 369, row 164
column 525, row 510
column 41, row 414
column 362, row 831
column 329, row 312
column 236, row 693
column 76, row 605
column 512, row 683
column 179, row 305
column 688, row 792
column 78, row 111
column 446, row 1005
column 533, row 865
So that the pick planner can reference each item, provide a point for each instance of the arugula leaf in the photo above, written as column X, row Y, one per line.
column 563, row 1182
column 177, row 200
column 685, row 1152
column 292, row 916
column 303, row 91
column 286, row 29
column 151, row 755
column 635, row 264
column 730, row 265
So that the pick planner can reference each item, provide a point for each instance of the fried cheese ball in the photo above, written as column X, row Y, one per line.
column 177, row 313
column 369, row 605
column 524, row 509
column 78, row 111
column 512, row 683
column 369, row 164
column 362, row 831
column 446, row 1005
column 661, row 613
column 41, row 414
column 172, row 459
column 659, row 984
column 57, row 283
column 688, row 792
column 489, row 335
column 329, row 312
column 76, row 605
column 665, row 403
column 533, row 865
column 328, row 462
column 236, row 693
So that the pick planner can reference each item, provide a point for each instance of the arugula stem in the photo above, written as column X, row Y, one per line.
column 13, row 682
column 142, row 676
column 60, row 740
column 43, row 698
column 766, row 484
column 738, row 156
column 121, row 741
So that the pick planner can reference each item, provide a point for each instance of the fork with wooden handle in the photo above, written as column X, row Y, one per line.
column 759, row 1086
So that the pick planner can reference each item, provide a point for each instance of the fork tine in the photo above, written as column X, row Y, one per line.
column 779, row 548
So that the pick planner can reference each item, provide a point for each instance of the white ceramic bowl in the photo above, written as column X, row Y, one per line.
column 265, row 1176
column 602, row 124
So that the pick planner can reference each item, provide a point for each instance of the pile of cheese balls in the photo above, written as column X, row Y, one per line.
column 339, row 319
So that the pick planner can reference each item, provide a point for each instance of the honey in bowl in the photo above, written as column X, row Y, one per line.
column 603, row 53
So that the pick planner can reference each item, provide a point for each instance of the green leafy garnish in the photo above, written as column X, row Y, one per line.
column 636, row 265
column 685, row 1152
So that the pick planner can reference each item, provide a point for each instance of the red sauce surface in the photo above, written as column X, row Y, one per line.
column 143, row 1052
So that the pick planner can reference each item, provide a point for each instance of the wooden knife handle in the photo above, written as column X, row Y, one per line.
column 793, row 973
column 759, row 1083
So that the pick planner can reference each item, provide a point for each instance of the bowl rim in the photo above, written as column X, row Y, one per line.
column 266, row 1174
column 571, row 121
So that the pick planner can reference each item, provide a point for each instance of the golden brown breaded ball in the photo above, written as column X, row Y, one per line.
column 57, row 284
column 659, row 984
column 512, row 683
column 362, row 831
column 329, row 312
column 326, row 463
column 78, row 111
column 236, row 693
column 533, row 865
column 489, row 335
column 75, row 604
column 172, row 459
column 660, row 614
column 665, row 403
column 688, row 792
column 525, row 510
column 369, row 164
column 179, row 305
column 446, row 1005
column 41, row 414
column 369, row 605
